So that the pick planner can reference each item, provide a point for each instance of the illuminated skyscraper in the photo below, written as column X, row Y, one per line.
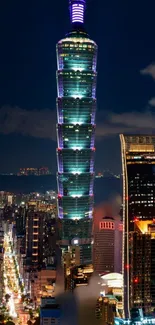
column 138, row 163
column 76, row 106
column 107, row 248
column 35, row 233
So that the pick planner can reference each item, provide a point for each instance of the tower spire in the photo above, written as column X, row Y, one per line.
column 77, row 10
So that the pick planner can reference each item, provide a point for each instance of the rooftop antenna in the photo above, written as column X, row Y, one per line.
column 77, row 11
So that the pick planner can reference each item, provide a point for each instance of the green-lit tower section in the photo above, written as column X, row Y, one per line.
column 76, row 107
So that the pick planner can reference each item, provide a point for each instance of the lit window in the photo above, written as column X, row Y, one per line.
column 107, row 225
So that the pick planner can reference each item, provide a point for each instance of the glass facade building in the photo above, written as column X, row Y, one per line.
column 137, row 318
column 76, row 107
column 138, row 164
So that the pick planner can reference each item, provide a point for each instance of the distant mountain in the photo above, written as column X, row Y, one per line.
column 104, row 188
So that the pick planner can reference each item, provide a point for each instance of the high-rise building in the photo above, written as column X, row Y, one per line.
column 137, row 317
column 78, row 276
column 20, row 221
column 107, row 234
column 76, row 106
column 35, row 225
column 39, row 261
column 107, row 249
column 106, row 309
column 138, row 163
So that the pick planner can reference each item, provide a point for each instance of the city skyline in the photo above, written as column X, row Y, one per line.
column 27, row 106
column 61, row 246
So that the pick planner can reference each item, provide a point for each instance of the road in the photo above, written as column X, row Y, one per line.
column 11, row 283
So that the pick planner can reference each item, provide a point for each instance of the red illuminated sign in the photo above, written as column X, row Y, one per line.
column 107, row 225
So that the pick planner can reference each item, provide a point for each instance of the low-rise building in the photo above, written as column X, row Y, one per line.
column 50, row 311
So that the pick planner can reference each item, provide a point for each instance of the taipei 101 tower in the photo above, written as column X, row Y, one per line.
column 76, row 107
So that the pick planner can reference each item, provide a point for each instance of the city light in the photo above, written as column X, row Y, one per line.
column 77, row 148
column 11, row 278
column 76, row 96
column 78, row 69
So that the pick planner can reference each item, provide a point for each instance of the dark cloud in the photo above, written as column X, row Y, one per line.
column 131, row 122
column 152, row 102
column 149, row 70
column 42, row 123
column 35, row 123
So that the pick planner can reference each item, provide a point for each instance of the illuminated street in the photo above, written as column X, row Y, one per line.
column 11, row 281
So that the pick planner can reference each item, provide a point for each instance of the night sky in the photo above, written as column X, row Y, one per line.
column 29, row 30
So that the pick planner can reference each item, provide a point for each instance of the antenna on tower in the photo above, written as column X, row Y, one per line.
column 77, row 11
